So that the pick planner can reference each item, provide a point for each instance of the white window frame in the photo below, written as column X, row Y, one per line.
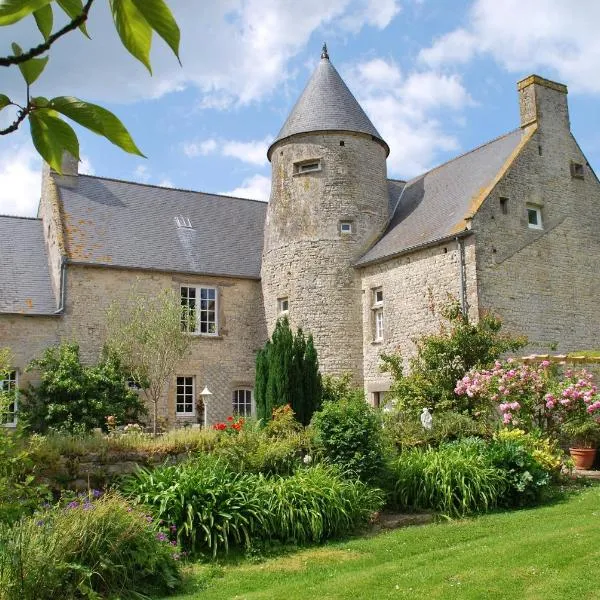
column 346, row 227
column 283, row 305
column 194, row 327
column 235, row 401
column 186, row 400
column 5, row 385
column 303, row 167
column 538, row 213
column 377, row 308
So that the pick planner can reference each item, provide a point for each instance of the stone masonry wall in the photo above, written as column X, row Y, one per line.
column 415, row 286
column 544, row 283
column 223, row 363
column 306, row 258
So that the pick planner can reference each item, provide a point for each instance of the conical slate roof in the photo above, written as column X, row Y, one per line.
column 326, row 104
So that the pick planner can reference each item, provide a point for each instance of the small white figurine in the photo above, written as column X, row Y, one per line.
column 426, row 419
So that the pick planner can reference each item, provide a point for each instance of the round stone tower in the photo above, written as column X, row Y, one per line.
column 329, row 203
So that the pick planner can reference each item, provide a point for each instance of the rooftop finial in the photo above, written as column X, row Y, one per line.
column 324, row 53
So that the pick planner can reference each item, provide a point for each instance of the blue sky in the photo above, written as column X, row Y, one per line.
column 437, row 78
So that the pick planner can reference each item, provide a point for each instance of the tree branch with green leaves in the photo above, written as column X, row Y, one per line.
column 135, row 22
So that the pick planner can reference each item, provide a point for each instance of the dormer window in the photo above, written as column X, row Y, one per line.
column 307, row 166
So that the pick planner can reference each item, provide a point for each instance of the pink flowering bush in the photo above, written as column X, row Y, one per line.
column 534, row 396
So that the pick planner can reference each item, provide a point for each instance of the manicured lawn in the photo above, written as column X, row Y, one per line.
column 552, row 552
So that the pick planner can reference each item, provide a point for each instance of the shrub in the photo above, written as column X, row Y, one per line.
column 72, row 396
column 525, row 478
column 287, row 372
column 406, row 431
column 86, row 550
column 348, row 433
column 444, row 358
column 455, row 480
column 214, row 507
column 318, row 503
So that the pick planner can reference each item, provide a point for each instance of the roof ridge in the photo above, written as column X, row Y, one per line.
column 463, row 155
column 397, row 180
column 173, row 189
column 19, row 217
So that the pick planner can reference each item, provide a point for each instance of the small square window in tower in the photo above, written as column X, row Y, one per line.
column 283, row 306
column 346, row 227
column 534, row 217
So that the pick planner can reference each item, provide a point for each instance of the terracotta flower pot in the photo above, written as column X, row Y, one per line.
column 583, row 457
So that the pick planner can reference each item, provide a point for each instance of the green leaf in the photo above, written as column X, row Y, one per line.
column 160, row 18
column 4, row 101
column 133, row 29
column 12, row 11
column 52, row 137
column 96, row 119
column 32, row 68
column 40, row 102
column 73, row 8
column 44, row 19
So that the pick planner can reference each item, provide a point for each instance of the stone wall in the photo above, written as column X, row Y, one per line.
column 306, row 257
column 415, row 286
column 223, row 362
column 543, row 283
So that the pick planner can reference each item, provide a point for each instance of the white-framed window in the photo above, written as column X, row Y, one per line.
column 283, row 305
column 307, row 166
column 185, row 396
column 377, row 314
column 8, row 386
column 199, row 310
column 346, row 227
column 534, row 217
column 242, row 404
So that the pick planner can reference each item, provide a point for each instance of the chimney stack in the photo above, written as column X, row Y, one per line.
column 543, row 102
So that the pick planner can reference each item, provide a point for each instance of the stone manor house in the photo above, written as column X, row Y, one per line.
column 359, row 260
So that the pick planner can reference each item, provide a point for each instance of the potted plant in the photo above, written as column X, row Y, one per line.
column 582, row 433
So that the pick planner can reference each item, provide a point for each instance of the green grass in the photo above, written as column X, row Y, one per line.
column 545, row 553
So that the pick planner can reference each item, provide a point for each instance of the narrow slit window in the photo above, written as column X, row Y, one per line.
column 504, row 206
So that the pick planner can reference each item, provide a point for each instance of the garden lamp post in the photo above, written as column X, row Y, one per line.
column 205, row 394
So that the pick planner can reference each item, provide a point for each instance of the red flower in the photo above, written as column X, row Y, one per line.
column 230, row 418
column 237, row 426
column 220, row 426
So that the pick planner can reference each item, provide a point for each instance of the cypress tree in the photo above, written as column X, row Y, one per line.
column 287, row 372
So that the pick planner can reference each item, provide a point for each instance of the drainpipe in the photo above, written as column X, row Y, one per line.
column 63, row 286
column 464, row 306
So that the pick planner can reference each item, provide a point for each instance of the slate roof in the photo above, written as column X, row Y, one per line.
column 326, row 104
column 118, row 223
column 432, row 206
column 25, row 285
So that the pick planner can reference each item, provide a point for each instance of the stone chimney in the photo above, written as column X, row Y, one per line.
column 543, row 102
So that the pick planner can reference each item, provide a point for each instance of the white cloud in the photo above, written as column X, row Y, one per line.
column 404, row 111
column 141, row 174
column 166, row 182
column 537, row 35
column 257, row 187
column 20, row 180
column 233, row 51
column 85, row 166
column 253, row 152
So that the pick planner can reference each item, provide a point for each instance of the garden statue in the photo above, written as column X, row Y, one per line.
column 426, row 419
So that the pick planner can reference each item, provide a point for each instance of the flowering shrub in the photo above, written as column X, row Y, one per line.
column 92, row 547
column 531, row 396
column 231, row 425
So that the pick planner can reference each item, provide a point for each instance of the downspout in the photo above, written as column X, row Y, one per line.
column 63, row 286
column 464, row 306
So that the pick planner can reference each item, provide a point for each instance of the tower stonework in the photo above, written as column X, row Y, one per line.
column 329, row 202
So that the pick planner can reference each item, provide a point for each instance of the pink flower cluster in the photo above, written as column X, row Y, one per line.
column 530, row 395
